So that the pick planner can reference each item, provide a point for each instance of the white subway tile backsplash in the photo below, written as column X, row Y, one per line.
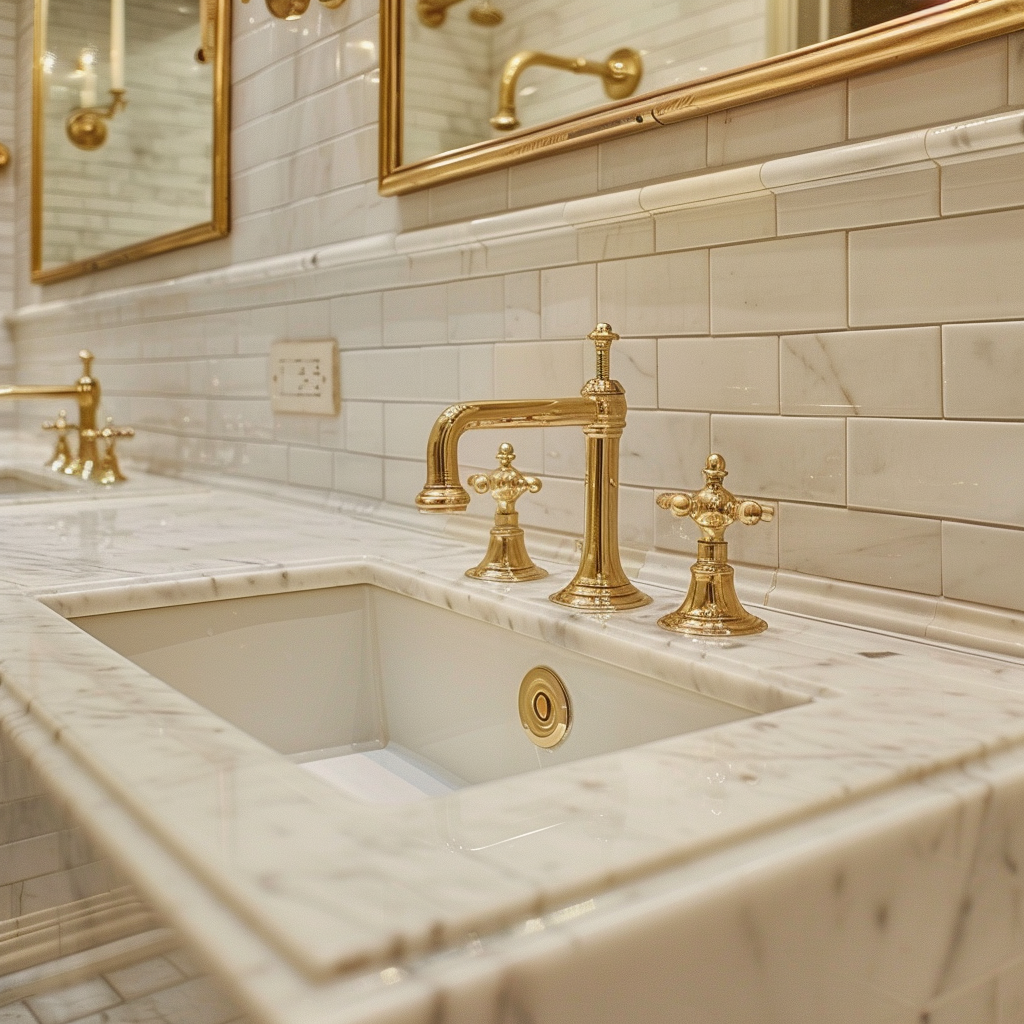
column 956, row 470
column 872, row 197
column 476, row 372
column 522, row 306
column 970, row 184
column 357, row 320
column 406, row 428
column 981, row 564
column 786, row 284
column 716, row 222
column 661, row 153
column 359, row 474
column 862, row 373
column 719, row 374
column 416, row 316
column 661, row 449
column 947, row 86
column 963, row 268
column 653, row 295
column 982, row 370
column 615, row 240
column 364, row 427
column 803, row 120
column 564, row 176
column 311, row 467
column 634, row 365
column 899, row 552
column 476, row 309
column 568, row 301
column 785, row 458
column 540, row 369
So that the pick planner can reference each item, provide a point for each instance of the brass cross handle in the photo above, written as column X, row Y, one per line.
column 109, row 468
column 507, row 560
column 506, row 484
column 713, row 508
column 62, row 451
column 711, row 608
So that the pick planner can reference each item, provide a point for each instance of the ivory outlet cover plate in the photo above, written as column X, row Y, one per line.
column 304, row 377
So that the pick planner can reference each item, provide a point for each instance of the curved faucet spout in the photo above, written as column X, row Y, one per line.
column 443, row 491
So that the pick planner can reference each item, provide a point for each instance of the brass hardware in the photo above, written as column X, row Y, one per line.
column 5, row 156
column 85, row 391
column 109, row 469
column 432, row 13
column 620, row 74
column 62, row 450
column 600, row 584
column 86, row 127
column 711, row 607
column 506, row 560
column 544, row 707
column 219, row 223
column 954, row 24
column 289, row 10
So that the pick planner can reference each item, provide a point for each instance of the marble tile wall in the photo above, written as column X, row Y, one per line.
column 845, row 327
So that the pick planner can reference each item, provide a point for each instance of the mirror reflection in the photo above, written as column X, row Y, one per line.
column 481, row 69
column 125, row 129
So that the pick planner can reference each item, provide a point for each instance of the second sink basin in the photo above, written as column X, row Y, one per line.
column 389, row 697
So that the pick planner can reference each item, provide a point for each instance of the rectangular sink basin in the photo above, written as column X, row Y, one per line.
column 387, row 697
column 18, row 482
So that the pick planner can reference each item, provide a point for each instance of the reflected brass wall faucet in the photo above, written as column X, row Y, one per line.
column 620, row 74
column 600, row 584
column 433, row 12
column 86, row 392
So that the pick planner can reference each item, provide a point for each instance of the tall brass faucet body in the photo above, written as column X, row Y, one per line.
column 86, row 392
column 600, row 584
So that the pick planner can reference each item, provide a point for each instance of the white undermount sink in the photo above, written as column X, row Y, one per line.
column 388, row 697
column 18, row 482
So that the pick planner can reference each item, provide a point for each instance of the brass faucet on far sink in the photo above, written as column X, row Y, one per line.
column 600, row 584
column 88, row 463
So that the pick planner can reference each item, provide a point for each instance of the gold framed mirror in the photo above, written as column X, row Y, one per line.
column 130, row 131
column 480, row 60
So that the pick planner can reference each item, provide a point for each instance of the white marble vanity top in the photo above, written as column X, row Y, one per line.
column 319, row 908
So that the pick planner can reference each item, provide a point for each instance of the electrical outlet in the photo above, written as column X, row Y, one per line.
column 304, row 377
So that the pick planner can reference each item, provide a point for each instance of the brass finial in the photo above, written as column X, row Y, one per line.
column 711, row 607
column 506, row 560
column 87, row 357
column 602, row 336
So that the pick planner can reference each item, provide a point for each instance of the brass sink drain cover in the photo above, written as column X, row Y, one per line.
column 544, row 707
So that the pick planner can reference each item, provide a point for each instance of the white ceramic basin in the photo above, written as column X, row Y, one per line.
column 17, row 482
column 389, row 697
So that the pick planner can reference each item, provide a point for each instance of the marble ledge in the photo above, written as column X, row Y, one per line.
column 852, row 714
column 384, row 259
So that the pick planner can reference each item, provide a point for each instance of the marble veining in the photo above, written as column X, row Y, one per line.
column 343, row 900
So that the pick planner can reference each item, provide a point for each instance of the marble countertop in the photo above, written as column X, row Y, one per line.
column 317, row 907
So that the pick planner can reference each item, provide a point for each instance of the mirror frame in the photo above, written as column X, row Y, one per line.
column 957, row 23
column 219, row 223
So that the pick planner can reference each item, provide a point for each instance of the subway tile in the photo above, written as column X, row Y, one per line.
column 634, row 364
column 364, row 427
column 476, row 372
column 478, row 449
column 719, row 374
column 874, row 197
column 357, row 320
column 615, row 240
column 557, row 506
column 786, row 284
column 981, row 564
column 785, row 124
column 975, row 1004
column 403, row 480
column 716, row 222
column 553, row 178
column 541, row 369
column 310, row 467
column 513, row 253
column 359, row 474
column 476, row 309
column 659, row 449
column 522, row 306
column 948, row 86
column 142, row 978
column 663, row 152
column 983, row 366
column 407, row 427
column 971, row 183
column 568, row 301
column 652, row 295
column 416, row 316
column 899, row 552
column 784, row 458
column 958, row 470
column 1016, row 75
column 838, row 374
column 472, row 197
column 73, row 1001
column 564, row 451
column 964, row 268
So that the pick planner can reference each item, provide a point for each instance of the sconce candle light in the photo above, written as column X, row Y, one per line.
column 86, row 127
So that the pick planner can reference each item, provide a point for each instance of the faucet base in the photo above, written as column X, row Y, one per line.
column 599, row 596
column 712, row 608
column 507, row 560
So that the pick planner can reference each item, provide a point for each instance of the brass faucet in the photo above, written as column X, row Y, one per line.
column 620, row 74
column 600, row 584
column 432, row 13
column 86, row 392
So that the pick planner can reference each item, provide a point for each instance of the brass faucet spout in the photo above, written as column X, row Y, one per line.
column 443, row 491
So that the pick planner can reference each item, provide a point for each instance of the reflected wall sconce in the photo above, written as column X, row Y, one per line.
column 289, row 10
column 86, row 126
column 433, row 12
